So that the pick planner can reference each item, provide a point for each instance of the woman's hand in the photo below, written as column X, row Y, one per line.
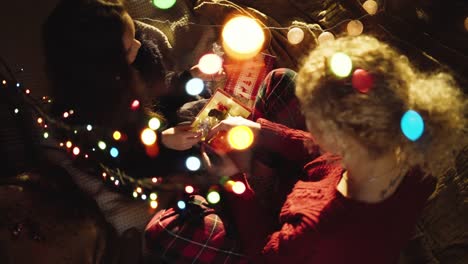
column 231, row 122
column 180, row 137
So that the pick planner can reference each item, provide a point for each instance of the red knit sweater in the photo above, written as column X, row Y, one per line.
column 319, row 225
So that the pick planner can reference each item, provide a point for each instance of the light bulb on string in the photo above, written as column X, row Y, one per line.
column 104, row 175
column 154, row 204
column 164, row 4
column 210, row 63
column 148, row 137
column 135, row 104
column 154, row 123
column 240, row 137
column 371, row 7
column 295, row 35
column 46, row 135
column 238, row 187
column 355, row 28
column 341, row 64
column 117, row 135
column 76, row 151
column 16, row 110
column 412, row 125
column 153, row 196
column 243, row 38
column 325, row 37
column 193, row 163
column 189, row 189
column 194, row 86
column 89, row 127
column 114, row 152
column 102, row 145
column 213, row 197
column 68, row 144
column 181, row 205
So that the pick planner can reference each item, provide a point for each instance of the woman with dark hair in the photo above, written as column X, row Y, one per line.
column 105, row 81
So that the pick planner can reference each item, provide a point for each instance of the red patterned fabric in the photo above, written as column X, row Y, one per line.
column 192, row 235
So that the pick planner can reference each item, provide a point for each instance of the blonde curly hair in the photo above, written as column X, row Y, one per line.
column 373, row 118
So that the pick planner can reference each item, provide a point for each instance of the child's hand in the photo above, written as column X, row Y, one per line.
column 180, row 137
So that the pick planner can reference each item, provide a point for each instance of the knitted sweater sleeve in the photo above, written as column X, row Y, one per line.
column 291, row 144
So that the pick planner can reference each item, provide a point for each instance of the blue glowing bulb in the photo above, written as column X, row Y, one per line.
column 194, row 86
column 193, row 163
column 181, row 205
column 114, row 152
column 412, row 125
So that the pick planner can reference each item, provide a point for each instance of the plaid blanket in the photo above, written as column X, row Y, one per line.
column 195, row 234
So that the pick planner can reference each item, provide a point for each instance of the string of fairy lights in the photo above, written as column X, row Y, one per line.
column 243, row 37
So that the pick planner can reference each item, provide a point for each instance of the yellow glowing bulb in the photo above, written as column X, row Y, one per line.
column 154, row 123
column 68, row 144
column 76, row 150
column 117, row 135
column 40, row 120
column 213, row 197
column 189, row 189
column 210, row 63
column 295, row 35
column 240, row 137
column 153, row 196
column 355, row 27
column 102, row 145
column 242, row 37
column 148, row 137
column 135, row 194
column 325, row 37
column 370, row 6
column 341, row 64
column 154, row 204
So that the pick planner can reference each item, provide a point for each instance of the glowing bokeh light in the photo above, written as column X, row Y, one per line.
column 40, row 120
column 139, row 190
column 325, row 37
column 164, row 4
column 148, row 137
column 341, row 64
column 295, row 35
column 370, row 6
column 76, row 151
column 240, row 137
column 412, row 125
column 65, row 114
column 135, row 194
column 194, row 86
column 135, row 104
column 153, row 196
column 89, row 127
column 154, row 180
column 154, row 204
column 46, row 135
column 117, row 135
column 102, row 145
column 210, row 63
column 213, row 197
column 143, row 197
column 193, row 163
column 68, row 144
column 16, row 110
column 355, row 28
column 238, row 187
column 242, row 37
column 114, row 152
column 181, row 205
column 362, row 80
column 189, row 189
column 154, row 123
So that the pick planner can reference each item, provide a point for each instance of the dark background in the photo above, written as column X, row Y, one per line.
column 20, row 43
